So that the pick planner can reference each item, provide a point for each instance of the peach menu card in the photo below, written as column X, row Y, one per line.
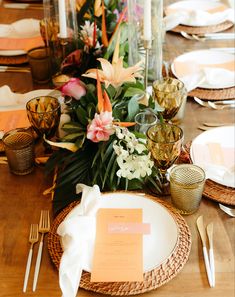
column 13, row 119
column 118, row 254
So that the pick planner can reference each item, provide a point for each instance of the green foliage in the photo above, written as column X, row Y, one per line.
column 96, row 163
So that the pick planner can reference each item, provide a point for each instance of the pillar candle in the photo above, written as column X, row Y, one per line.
column 62, row 19
column 147, row 20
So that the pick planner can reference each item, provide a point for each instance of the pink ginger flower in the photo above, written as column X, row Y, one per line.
column 101, row 127
column 74, row 88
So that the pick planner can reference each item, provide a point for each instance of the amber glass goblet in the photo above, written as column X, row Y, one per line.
column 164, row 142
column 44, row 115
column 170, row 93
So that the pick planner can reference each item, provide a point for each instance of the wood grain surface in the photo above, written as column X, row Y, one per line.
column 21, row 201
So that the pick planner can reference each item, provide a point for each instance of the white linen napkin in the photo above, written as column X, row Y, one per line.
column 220, row 174
column 7, row 97
column 24, row 28
column 13, row 100
column 197, row 18
column 77, row 233
column 209, row 76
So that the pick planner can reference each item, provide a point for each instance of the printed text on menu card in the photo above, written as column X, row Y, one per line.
column 118, row 254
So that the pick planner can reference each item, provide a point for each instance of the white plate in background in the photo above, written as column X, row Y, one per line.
column 219, row 160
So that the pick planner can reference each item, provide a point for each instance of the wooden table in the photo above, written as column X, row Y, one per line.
column 21, row 201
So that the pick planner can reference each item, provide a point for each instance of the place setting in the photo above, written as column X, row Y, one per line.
column 128, row 205
column 16, row 39
column 199, row 70
column 195, row 19
column 157, row 262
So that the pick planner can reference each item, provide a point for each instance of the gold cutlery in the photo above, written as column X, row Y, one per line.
column 216, row 105
column 209, row 230
column 33, row 238
column 222, row 36
column 228, row 210
column 220, row 104
column 202, row 232
column 23, row 6
column 208, row 126
column 214, row 124
column 14, row 69
column 203, row 128
column 44, row 227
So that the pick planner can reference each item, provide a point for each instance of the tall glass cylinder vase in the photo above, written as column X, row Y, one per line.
column 145, row 23
column 60, row 32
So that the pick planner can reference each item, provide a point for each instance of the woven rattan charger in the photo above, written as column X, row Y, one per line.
column 213, row 94
column 219, row 193
column 13, row 60
column 152, row 279
column 203, row 29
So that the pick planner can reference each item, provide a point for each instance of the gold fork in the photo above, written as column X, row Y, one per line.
column 44, row 227
column 33, row 238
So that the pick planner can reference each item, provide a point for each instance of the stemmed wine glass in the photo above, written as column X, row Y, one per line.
column 170, row 93
column 44, row 115
column 164, row 142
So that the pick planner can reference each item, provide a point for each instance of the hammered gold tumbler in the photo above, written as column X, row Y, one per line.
column 186, row 184
column 19, row 149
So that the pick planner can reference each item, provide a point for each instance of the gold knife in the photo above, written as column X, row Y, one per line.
column 22, row 6
column 202, row 232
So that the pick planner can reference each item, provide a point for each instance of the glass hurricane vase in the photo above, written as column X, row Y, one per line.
column 59, row 29
column 136, row 35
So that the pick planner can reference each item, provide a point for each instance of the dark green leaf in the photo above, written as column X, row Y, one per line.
column 82, row 115
column 134, row 92
column 79, row 142
column 91, row 109
column 110, row 164
column 72, row 127
column 72, row 136
column 133, row 108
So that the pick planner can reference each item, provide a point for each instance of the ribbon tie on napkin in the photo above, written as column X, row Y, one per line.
column 197, row 18
column 77, row 233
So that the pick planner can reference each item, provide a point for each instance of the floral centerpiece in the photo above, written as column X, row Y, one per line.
column 100, row 145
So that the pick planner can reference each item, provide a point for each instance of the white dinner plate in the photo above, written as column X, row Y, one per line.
column 190, row 63
column 214, row 151
column 197, row 5
column 11, row 53
column 163, row 237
